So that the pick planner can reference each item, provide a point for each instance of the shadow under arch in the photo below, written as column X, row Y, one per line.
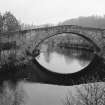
column 49, row 77
column 97, row 49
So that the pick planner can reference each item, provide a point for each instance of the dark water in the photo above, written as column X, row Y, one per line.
column 25, row 92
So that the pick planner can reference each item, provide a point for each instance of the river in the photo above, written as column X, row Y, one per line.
column 66, row 60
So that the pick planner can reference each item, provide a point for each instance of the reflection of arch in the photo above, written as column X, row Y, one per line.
column 97, row 49
column 86, row 75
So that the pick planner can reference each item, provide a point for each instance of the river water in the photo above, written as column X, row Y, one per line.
column 68, row 61
column 58, row 60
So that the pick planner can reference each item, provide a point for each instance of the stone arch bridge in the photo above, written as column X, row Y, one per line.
column 33, row 37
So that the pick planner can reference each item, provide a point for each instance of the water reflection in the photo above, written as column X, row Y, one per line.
column 12, row 94
column 27, row 93
column 63, row 60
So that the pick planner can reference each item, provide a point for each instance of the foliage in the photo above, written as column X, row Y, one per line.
column 69, row 99
column 93, row 94
column 1, row 22
column 90, row 21
column 10, row 23
column 87, row 94
column 11, row 95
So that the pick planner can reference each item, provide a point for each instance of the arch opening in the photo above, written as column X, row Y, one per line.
column 96, row 48
column 56, row 58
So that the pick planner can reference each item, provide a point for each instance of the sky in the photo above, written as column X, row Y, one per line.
column 40, row 12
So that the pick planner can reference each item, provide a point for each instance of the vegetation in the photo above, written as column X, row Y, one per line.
column 67, row 41
column 11, row 94
column 87, row 94
column 1, row 23
column 90, row 21
column 8, row 22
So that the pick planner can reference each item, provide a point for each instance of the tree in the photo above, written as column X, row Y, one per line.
column 10, row 23
column 94, row 94
column 69, row 99
column 1, row 27
column 87, row 94
column 1, row 22
column 89, row 21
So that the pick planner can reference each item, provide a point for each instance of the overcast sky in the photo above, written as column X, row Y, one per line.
column 51, row 11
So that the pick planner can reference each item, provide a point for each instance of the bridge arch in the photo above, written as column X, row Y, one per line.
column 97, row 49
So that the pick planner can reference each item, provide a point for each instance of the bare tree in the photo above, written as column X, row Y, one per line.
column 87, row 94
column 70, row 99
column 92, row 94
